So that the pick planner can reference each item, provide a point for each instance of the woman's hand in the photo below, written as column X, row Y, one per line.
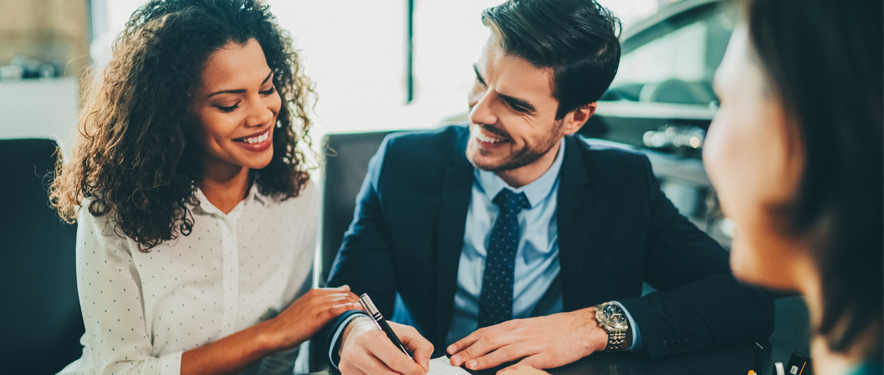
column 301, row 320
column 309, row 313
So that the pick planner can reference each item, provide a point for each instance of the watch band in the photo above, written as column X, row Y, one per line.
column 616, row 332
column 616, row 338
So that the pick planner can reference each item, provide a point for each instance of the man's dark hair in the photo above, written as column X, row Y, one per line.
column 825, row 61
column 577, row 39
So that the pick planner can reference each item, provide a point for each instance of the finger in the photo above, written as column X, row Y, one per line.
column 422, row 355
column 332, row 300
column 487, row 340
column 454, row 349
column 465, row 342
column 331, row 305
column 340, row 309
column 500, row 356
column 343, row 291
column 338, row 293
column 529, row 361
column 413, row 340
column 326, row 291
column 390, row 356
column 341, row 297
column 322, row 295
column 352, row 297
column 340, row 290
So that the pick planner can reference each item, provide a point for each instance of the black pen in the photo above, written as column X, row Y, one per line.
column 379, row 321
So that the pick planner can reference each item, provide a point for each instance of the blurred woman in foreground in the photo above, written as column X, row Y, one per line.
column 795, row 152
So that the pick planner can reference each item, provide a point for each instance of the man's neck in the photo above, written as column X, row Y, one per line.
column 525, row 175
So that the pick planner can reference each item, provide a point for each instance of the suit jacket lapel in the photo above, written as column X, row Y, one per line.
column 574, row 205
column 454, row 201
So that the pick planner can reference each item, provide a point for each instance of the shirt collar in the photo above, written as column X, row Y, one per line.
column 208, row 208
column 536, row 191
column 255, row 195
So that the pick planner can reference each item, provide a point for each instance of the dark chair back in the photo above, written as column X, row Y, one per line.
column 345, row 159
column 40, row 310
column 345, row 163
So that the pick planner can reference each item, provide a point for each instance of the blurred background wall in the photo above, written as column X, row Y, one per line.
column 44, row 44
column 355, row 51
column 50, row 31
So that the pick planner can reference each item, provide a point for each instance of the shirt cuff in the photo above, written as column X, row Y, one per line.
column 637, row 343
column 340, row 330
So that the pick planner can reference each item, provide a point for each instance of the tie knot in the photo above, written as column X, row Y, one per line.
column 510, row 202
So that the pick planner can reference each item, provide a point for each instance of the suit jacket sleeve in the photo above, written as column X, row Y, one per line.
column 698, row 303
column 363, row 261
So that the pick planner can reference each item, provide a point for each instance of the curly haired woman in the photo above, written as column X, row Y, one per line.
column 196, row 216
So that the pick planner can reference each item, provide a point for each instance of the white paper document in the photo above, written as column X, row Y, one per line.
column 442, row 366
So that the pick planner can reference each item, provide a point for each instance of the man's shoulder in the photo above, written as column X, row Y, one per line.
column 449, row 135
column 421, row 156
column 439, row 146
column 600, row 155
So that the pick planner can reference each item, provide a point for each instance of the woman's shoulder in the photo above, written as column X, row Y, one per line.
column 96, row 230
column 88, row 214
column 307, row 200
column 295, row 216
column 310, row 191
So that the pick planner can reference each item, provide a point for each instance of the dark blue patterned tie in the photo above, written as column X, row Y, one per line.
column 496, row 300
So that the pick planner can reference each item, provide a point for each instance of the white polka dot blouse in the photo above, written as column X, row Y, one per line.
column 143, row 310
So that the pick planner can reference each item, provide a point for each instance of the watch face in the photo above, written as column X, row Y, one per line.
column 614, row 314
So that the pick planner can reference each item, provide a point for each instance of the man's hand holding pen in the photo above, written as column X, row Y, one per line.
column 542, row 342
column 366, row 350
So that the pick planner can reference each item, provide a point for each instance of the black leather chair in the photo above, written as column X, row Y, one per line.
column 39, row 306
column 345, row 163
column 345, row 159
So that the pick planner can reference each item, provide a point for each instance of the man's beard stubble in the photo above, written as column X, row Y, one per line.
column 520, row 158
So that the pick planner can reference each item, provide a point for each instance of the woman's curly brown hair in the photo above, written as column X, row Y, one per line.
column 136, row 157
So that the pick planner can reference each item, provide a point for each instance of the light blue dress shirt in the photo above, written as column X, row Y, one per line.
column 537, row 290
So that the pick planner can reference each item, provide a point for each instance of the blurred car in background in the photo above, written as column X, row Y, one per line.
column 661, row 102
column 664, row 82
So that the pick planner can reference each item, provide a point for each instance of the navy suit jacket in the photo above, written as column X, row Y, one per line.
column 616, row 229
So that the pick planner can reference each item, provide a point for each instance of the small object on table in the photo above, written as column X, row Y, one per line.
column 759, row 358
column 778, row 369
column 799, row 364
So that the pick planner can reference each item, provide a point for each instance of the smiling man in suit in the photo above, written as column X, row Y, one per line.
column 511, row 239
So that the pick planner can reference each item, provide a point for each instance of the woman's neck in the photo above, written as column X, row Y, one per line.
column 225, row 187
column 826, row 361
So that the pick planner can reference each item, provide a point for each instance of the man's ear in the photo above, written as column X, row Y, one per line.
column 575, row 119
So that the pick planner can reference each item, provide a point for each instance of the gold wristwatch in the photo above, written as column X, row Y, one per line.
column 611, row 317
